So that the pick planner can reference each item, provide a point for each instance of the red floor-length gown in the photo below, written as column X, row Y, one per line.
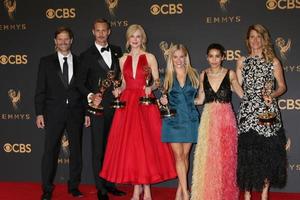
column 134, row 152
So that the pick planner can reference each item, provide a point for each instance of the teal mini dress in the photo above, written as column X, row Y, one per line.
column 183, row 127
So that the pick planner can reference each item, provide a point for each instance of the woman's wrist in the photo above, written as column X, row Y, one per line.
column 153, row 87
column 272, row 95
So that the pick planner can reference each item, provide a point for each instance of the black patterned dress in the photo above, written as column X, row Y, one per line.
column 261, row 148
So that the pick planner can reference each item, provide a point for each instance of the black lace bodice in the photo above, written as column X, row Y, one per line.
column 222, row 95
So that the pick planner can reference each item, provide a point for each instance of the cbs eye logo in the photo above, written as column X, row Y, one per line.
column 282, row 4
column 17, row 148
column 61, row 13
column 166, row 9
column 13, row 59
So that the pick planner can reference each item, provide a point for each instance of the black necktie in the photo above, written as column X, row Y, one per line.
column 104, row 49
column 65, row 70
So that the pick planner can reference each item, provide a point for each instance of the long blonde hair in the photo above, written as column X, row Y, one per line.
column 170, row 71
column 131, row 30
column 268, row 51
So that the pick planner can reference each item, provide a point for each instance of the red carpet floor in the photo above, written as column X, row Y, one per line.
column 32, row 191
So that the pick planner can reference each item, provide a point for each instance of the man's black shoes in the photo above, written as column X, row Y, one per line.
column 46, row 196
column 102, row 196
column 114, row 191
column 75, row 193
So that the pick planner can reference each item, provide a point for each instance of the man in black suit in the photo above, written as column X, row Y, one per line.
column 95, row 62
column 59, row 106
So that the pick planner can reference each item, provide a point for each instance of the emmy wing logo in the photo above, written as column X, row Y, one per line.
column 15, row 98
column 283, row 46
column 223, row 4
column 10, row 6
column 112, row 6
column 165, row 48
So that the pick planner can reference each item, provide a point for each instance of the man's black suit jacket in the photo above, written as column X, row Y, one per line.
column 53, row 92
column 93, row 68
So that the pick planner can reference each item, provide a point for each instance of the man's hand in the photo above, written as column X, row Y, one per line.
column 96, row 99
column 87, row 121
column 40, row 123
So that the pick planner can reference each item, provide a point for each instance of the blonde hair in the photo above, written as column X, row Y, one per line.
column 131, row 30
column 192, row 73
column 268, row 51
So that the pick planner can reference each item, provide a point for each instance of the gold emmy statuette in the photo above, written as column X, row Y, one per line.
column 267, row 117
column 112, row 6
column 146, row 100
column 98, row 110
column 165, row 110
column 117, row 103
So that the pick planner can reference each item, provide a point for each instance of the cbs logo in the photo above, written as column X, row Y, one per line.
column 13, row 59
column 61, row 13
column 166, row 9
column 289, row 104
column 282, row 4
column 17, row 148
column 232, row 54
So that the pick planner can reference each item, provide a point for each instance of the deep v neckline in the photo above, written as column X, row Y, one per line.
column 137, row 65
column 219, row 85
column 184, row 83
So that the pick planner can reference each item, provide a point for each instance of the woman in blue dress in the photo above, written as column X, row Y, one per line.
column 181, row 82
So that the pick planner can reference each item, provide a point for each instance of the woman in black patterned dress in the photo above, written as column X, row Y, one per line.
column 261, row 147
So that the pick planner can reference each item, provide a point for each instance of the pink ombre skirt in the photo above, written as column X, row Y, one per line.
column 215, row 158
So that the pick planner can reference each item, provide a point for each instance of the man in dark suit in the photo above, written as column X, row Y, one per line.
column 59, row 106
column 95, row 62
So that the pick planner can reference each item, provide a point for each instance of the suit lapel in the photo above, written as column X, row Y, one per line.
column 58, row 71
column 74, row 69
column 102, row 63
column 100, row 59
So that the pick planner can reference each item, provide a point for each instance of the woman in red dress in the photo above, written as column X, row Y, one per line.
column 135, row 153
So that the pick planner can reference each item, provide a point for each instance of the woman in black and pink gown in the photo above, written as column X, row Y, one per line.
column 135, row 153
column 215, row 158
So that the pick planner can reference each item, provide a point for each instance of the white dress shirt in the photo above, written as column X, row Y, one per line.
column 106, row 55
column 70, row 63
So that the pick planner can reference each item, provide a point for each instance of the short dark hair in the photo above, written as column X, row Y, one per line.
column 217, row 47
column 64, row 29
column 101, row 20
